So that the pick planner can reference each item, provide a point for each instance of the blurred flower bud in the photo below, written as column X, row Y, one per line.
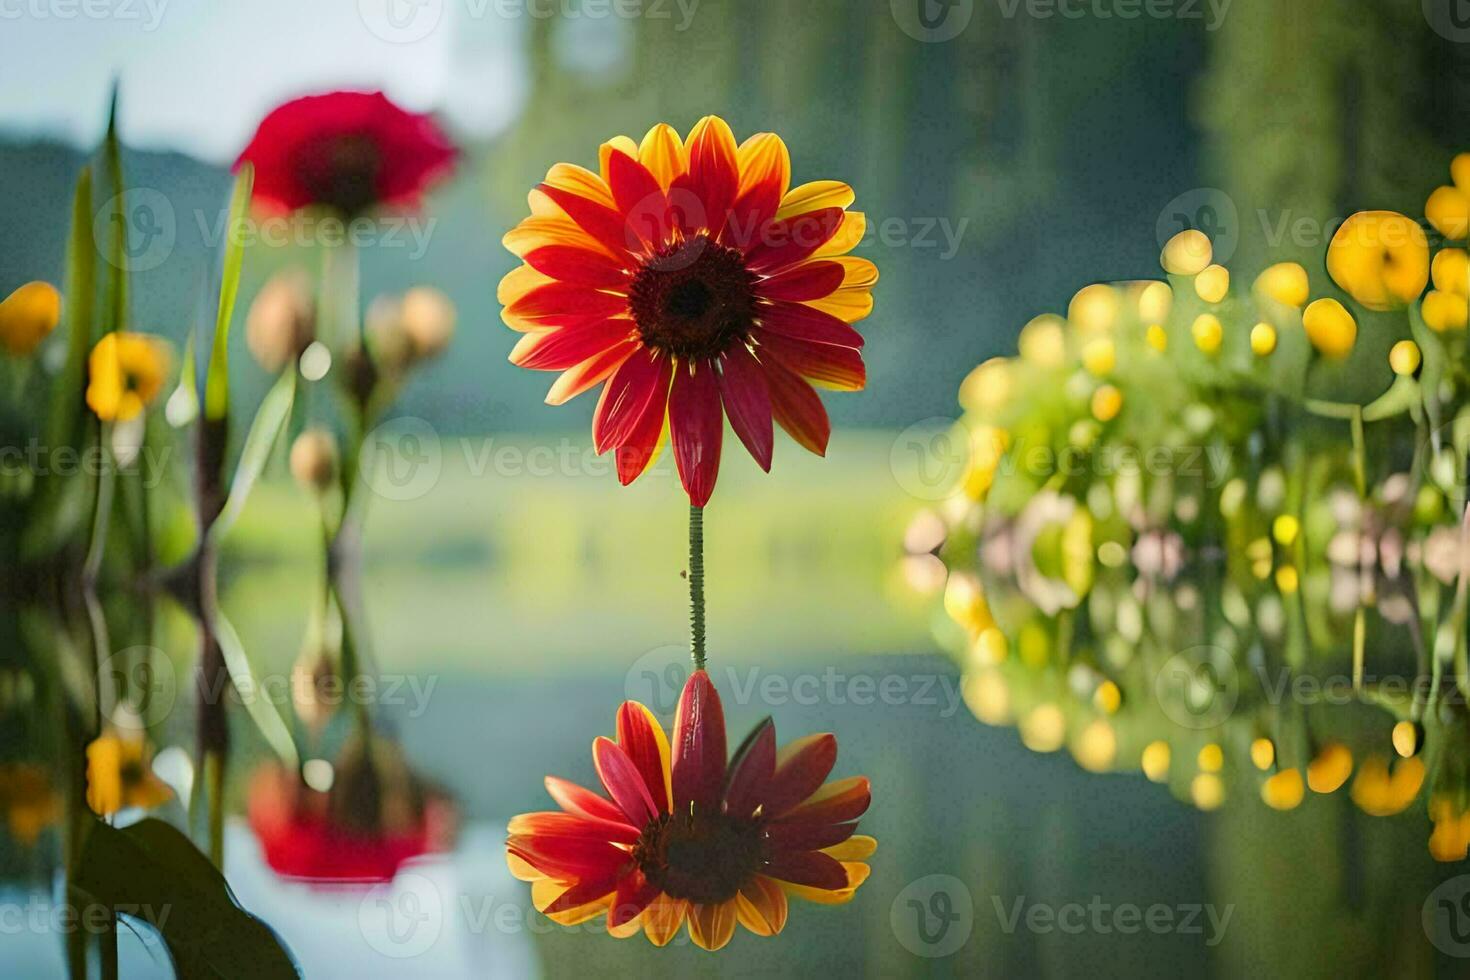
column 282, row 320
column 1285, row 282
column 391, row 345
column 1330, row 328
column 315, row 687
column 428, row 319
column 27, row 317
column 314, row 460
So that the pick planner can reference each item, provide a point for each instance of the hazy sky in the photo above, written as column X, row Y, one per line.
column 197, row 75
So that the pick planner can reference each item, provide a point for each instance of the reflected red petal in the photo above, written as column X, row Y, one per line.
column 801, row 322
column 697, row 426
column 845, row 799
column 627, row 394
column 809, row 837
column 644, row 745
column 801, row 769
column 699, row 745
column 747, row 401
column 797, row 408
column 623, row 781
column 635, row 893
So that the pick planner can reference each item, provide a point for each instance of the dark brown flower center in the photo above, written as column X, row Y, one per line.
column 700, row 857
column 693, row 298
column 342, row 172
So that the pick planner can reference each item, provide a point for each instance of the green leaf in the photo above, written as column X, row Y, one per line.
column 257, row 703
column 217, row 380
column 117, row 280
column 1432, row 369
column 80, row 308
column 1401, row 396
column 151, row 874
column 270, row 419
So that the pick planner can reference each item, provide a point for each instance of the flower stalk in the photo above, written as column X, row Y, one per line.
column 696, row 586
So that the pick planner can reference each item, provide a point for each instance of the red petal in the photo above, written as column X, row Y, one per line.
column 641, row 200
column 597, row 220
column 697, row 426
column 578, row 265
column 805, row 282
column 809, row 837
column 567, row 858
column 699, row 746
column 827, row 364
column 747, row 402
column 714, row 174
column 797, row 407
column 802, row 322
column 800, row 772
column 555, row 824
column 750, row 218
column 623, row 781
column 810, row 868
column 590, row 373
column 637, row 738
column 636, row 454
column 560, row 301
column 751, row 769
column 785, row 243
column 635, row 893
column 566, row 347
column 845, row 799
column 627, row 394
column 581, row 893
column 579, row 800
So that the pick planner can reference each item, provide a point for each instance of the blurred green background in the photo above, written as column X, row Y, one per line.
column 1036, row 150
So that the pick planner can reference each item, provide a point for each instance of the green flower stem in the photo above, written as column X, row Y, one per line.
column 696, row 586
column 1352, row 414
column 102, row 511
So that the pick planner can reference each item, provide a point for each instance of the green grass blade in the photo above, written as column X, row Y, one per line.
column 80, row 307
column 117, row 256
column 217, row 379
column 266, row 428
column 255, row 697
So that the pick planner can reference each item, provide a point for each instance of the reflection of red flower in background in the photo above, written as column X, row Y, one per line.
column 371, row 820
column 348, row 151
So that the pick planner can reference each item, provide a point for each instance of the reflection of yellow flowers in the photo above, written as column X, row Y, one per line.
column 1094, row 308
column 1285, row 282
column 1381, row 793
column 1157, row 337
column 1207, row 790
column 1407, row 738
column 1444, row 311
column 1263, row 753
column 27, row 800
column 1155, row 761
column 27, row 317
column 1380, row 257
column 1330, row 328
column 1100, row 357
column 1211, row 758
column 1096, row 747
column 120, row 774
column 1284, row 790
column 1450, row 839
column 987, row 695
column 1213, row 283
column 1043, row 341
column 988, row 387
column 988, row 446
column 1331, row 768
column 964, row 601
column 1107, row 402
column 1154, row 302
column 1044, row 729
column 127, row 371
column 1186, row 254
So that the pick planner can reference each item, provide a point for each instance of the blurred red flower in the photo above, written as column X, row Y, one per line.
column 348, row 151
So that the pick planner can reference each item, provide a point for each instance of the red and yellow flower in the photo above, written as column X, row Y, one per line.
column 694, row 283
column 346, row 151
column 686, row 837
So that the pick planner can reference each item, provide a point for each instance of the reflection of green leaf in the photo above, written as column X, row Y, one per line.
column 265, row 429
column 217, row 381
column 117, row 256
column 79, row 308
column 1401, row 396
column 254, row 696
column 1431, row 371
column 152, row 875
